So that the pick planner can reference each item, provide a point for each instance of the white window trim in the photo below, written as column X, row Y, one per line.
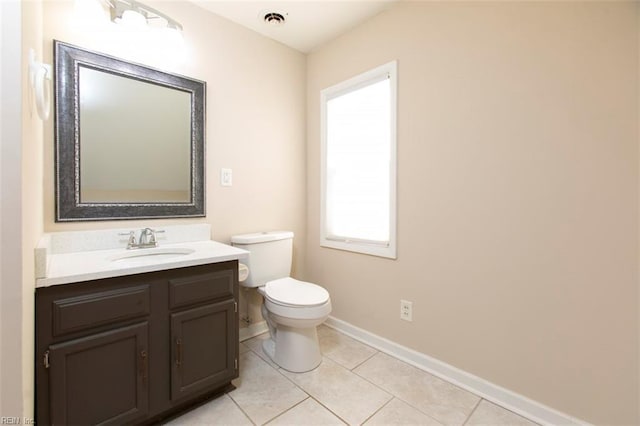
column 381, row 249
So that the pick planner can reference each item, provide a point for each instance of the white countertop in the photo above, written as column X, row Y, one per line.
column 65, row 268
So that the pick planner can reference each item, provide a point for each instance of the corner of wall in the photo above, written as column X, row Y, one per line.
column 10, row 210
column 638, row 180
column 32, row 196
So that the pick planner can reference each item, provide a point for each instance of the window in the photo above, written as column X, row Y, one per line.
column 358, row 124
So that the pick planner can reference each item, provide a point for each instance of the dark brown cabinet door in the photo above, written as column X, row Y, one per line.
column 203, row 348
column 101, row 378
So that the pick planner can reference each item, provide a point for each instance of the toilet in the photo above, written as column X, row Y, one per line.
column 292, row 308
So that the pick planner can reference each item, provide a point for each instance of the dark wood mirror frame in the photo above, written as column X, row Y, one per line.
column 69, row 207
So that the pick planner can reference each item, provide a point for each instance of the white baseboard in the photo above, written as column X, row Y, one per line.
column 517, row 403
column 253, row 330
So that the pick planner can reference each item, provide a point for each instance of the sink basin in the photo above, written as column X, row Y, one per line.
column 156, row 254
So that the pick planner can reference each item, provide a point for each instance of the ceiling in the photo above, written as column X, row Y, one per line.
column 309, row 23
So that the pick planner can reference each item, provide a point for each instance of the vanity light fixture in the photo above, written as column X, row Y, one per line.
column 134, row 12
column 39, row 75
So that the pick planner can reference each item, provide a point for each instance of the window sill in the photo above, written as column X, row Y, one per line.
column 388, row 252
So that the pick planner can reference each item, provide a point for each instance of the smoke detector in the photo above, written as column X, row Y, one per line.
column 273, row 18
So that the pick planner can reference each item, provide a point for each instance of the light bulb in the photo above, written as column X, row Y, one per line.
column 133, row 19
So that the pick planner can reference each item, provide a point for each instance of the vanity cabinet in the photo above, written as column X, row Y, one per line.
column 137, row 348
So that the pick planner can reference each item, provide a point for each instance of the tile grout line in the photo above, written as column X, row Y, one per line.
column 367, row 359
column 425, row 372
column 472, row 411
column 430, row 374
column 379, row 409
column 287, row 410
column 323, row 405
column 398, row 397
column 240, row 408
column 329, row 410
column 277, row 370
column 309, row 395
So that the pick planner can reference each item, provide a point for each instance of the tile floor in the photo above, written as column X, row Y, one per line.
column 355, row 384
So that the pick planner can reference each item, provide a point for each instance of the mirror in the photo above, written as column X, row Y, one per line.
column 129, row 139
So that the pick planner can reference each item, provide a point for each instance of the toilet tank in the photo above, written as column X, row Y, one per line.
column 270, row 255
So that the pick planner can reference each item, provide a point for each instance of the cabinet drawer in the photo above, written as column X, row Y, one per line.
column 81, row 312
column 200, row 288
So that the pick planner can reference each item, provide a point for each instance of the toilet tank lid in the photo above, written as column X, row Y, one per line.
column 261, row 237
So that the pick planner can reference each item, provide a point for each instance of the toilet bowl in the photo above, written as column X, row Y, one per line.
column 292, row 308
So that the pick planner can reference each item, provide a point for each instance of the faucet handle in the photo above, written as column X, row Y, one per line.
column 152, row 237
column 131, row 242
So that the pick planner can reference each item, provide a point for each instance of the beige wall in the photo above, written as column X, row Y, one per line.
column 11, row 403
column 638, row 124
column 255, row 121
column 22, row 222
column 32, row 195
column 517, row 195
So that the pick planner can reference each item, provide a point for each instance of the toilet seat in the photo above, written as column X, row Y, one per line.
column 300, row 301
column 293, row 293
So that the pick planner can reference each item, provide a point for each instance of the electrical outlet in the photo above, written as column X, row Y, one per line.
column 406, row 310
column 226, row 176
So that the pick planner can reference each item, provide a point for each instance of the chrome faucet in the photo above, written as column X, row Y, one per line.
column 147, row 239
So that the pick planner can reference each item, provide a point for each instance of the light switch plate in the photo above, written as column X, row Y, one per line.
column 226, row 177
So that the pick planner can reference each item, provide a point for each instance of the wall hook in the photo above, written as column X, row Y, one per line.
column 39, row 73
